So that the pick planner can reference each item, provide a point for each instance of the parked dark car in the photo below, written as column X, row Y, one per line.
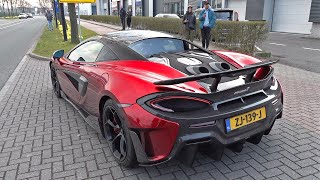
column 29, row 15
column 221, row 14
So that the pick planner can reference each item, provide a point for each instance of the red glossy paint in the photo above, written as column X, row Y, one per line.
column 159, row 135
column 237, row 59
column 240, row 60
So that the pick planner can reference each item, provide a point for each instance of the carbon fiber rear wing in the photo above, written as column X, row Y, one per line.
column 248, row 70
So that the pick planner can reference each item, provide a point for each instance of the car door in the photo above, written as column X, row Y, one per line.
column 71, row 80
column 96, row 77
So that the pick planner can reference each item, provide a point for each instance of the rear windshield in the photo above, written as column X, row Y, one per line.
column 150, row 47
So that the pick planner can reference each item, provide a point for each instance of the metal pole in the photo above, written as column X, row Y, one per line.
column 55, row 3
column 63, row 21
column 79, row 27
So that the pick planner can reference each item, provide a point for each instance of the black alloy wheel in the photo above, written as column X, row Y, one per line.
column 116, row 131
column 55, row 83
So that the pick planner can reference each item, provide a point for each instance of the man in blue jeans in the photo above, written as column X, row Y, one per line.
column 207, row 22
column 49, row 17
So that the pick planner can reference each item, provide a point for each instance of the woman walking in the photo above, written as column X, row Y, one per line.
column 189, row 20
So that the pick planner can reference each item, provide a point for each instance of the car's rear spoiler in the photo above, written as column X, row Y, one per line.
column 248, row 70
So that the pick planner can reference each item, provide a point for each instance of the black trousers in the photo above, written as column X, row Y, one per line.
column 129, row 22
column 123, row 22
column 205, row 34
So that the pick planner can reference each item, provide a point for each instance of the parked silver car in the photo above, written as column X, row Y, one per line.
column 168, row 16
column 23, row 16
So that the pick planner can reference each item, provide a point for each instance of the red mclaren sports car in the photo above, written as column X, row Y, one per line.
column 156, row 97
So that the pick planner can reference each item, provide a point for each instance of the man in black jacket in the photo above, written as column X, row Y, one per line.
column 49, row 17
column 189, row 20
column 129, row 15
column 123, row 18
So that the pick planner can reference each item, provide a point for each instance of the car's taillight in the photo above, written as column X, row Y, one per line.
column 179, row 104
column 261, row 73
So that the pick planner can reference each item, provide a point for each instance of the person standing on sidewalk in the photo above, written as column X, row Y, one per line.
column 129, row 15
column 207, row 22
column 49, row 17
column 123, row 18
column 189, row 20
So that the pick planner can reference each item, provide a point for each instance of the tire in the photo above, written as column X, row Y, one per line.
column 116, row 131
column 55, row 82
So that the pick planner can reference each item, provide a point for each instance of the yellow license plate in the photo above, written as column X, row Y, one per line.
column 245, row 119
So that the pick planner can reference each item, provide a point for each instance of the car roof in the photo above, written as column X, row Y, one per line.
column 130, row 36
column 168, row 14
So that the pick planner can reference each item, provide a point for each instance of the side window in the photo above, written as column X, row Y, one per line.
column 87, row 52
column 106, row 55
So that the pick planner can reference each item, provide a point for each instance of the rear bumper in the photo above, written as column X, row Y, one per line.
column 208, row 132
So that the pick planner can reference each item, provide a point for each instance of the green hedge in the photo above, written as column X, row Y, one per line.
column 239, row 36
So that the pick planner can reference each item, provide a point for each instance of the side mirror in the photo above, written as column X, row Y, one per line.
column 58, row 54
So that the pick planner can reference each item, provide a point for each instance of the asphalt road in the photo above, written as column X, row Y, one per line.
column 16, row 38
column 294, row 50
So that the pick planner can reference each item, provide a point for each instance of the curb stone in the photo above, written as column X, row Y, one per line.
column 38, row 57
column 101, row 24
column 33, row 55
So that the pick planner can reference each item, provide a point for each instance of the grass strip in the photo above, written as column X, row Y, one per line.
column 51, row 41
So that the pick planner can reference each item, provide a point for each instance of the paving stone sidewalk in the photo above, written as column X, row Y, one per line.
column 42, row 137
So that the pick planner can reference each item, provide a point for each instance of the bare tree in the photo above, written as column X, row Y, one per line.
column 44, row 4
column 16, row 3
column 21, row 4
column 27, row 5
column 73, row 23
column 2, row 3
column 7, row 2
column 11, row 6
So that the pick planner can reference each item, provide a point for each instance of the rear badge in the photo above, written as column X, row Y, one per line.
column 242, row 91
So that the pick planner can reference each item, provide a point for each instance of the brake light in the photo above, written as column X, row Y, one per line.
column 179, row 104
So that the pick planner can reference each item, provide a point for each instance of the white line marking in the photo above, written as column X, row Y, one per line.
column 311, row 49
column 278, row 44
column 9, row 23
column 259, row 49
column 15, row 24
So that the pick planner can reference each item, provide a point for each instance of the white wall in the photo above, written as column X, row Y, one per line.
column 151, row 8
column 292, row 16
column 268, row 11
column 239, row 6
column 85, row 9
column 185, row 6
column 99, row 4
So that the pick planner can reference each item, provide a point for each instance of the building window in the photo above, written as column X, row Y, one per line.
column 138, row 7
column 214, row 3
column 174, row 7
column 219, row 4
